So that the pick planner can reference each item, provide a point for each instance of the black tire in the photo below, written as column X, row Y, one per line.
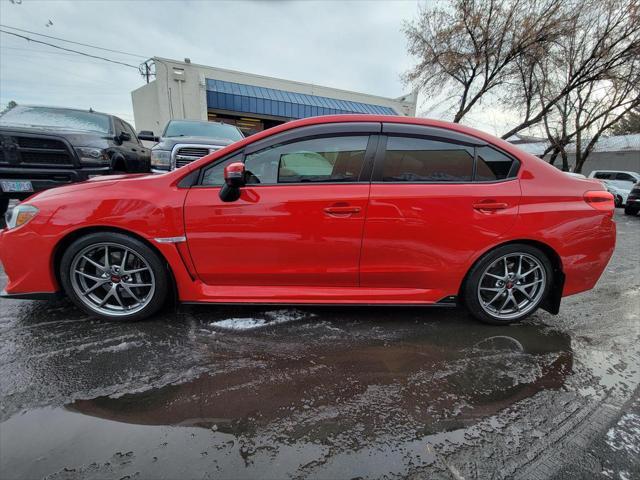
column 4, row 206
column 475, row 275
column 156, row 265
column 618, row 201
column 629, row 210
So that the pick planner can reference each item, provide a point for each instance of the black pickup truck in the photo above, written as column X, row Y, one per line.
column 44, row 147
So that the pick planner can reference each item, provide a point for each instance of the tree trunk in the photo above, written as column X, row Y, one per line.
column 565, row 161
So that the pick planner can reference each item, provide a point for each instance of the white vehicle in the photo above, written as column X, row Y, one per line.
column 621, row 178
column 620, row 193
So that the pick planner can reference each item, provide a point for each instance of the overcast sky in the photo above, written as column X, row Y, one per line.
column 354, row 45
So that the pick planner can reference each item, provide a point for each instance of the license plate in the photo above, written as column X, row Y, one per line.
column 16, row 186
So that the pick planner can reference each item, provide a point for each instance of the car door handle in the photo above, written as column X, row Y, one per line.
column 490, row 206
column 341, row 211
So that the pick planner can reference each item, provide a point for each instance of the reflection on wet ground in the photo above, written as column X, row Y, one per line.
column 231, row 392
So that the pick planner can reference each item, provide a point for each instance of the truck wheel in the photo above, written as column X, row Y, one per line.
column 118, row 165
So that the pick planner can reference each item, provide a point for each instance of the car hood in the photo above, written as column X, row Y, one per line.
column 75, row 137
column 169, row 143
column 96, row 182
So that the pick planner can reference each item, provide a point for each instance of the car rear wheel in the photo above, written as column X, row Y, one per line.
column 114, row 276
column 508, row 284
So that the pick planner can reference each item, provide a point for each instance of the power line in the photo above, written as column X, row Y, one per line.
column 76, row 43
column 70, row 50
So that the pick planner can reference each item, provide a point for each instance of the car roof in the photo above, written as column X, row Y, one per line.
column 616, row 171
column 66, row 108
column 327, row 119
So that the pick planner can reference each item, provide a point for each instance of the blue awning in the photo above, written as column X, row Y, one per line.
column 238, row 97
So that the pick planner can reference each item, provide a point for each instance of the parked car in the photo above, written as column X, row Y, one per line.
column 619, row 178
column 44, row 147
column 620, row 193
column 632, row 206
column 413, row 212
column 184, row 141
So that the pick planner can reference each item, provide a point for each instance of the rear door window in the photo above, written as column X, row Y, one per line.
column 409, row 159
column 625, row 177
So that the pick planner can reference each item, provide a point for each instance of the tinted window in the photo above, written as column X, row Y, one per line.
column 625, row 177
column 214, row 175
column 492, row 165
column 332, row 159
column 422, row 160
column 128, row 129
column 603, row 176
column 186, row 128
column 61, row 118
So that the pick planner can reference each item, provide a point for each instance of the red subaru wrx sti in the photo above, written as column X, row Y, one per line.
column 353, row 209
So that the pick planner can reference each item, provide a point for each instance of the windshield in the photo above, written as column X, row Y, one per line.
column 202, row 129
column 58, row 118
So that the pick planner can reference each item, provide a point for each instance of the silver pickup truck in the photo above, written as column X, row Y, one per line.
column 184, row 141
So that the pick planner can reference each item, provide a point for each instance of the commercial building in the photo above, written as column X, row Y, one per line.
column 183, row 90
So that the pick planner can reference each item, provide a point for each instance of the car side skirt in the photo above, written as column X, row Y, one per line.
column 32, row 296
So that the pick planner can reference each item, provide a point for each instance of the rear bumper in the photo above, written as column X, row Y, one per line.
column 587, row 254
column 43, row 179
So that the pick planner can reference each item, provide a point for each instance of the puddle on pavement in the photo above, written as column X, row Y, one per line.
column 321, row 397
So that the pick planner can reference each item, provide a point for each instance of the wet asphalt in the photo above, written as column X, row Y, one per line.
column 244, row 392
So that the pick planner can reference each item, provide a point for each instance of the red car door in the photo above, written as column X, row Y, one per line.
column 298, row 221
column 432, row 207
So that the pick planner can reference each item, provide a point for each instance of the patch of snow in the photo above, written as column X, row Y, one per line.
column 626, row 434
column 120, row 347
column 275, row 317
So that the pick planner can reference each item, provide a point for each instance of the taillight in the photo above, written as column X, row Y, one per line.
column 600, row 200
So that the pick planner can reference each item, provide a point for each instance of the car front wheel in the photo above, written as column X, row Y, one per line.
column 114, row 276
column 508, row 284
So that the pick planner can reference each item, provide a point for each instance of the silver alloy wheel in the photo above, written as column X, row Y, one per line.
column 112, row 279
column 512, row 286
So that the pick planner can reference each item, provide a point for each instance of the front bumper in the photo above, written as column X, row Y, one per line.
column 43, row 179
column 26, row 257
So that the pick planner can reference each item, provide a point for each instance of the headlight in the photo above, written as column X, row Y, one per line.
column 92, row 156
column 161, row 159
column 20, row 215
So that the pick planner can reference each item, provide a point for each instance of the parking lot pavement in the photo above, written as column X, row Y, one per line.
column 209, row 392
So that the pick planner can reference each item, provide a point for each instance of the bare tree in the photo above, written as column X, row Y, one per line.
column 586, row 76
column 565, row 64
column 630, row 123
column 470, row 47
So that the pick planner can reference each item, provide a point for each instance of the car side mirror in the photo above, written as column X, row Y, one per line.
column 148, row 136
column 234, row 179
column 124, row 137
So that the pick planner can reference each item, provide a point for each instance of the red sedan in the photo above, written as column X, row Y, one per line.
column 352, row 209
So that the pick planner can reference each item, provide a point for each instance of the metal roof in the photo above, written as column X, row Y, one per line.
column 620, row 143
column 239, row 97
